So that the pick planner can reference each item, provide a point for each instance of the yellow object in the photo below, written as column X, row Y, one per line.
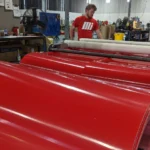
column 119, row 36
column 136, row 25
column 49, row 41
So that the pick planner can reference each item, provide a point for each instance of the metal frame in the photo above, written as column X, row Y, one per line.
column 67, row 2
column 26, row 38
column 138, row 58
column 129, row 9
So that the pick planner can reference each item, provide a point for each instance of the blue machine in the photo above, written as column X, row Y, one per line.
column 52, row 22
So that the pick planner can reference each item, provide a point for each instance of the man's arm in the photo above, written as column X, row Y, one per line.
column 74, row 25
column 99, row 34
column 72, row 32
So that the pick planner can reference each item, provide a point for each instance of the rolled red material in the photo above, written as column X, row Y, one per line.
column 96, row 67
column 45, row 110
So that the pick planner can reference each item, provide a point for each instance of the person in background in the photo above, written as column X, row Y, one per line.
column 85, row 24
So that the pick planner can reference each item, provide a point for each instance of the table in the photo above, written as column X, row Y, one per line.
column 20, row 38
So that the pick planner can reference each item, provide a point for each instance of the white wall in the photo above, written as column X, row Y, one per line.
column 72, row 15
column 111, row 17
column 115, row 6
column 116, row 9
column 112, row 11
column 144, row 17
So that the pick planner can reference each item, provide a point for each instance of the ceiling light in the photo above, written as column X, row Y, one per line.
column 89, row 1
column 107, row 1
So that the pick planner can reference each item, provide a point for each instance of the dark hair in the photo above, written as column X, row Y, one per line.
column 91, row 6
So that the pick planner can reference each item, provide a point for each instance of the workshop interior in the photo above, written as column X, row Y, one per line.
column 75, row 75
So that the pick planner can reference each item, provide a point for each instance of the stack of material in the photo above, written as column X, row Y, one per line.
column 70, row 101
column 90, row 66
column 125, row 108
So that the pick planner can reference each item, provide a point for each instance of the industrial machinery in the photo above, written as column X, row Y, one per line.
column 108, row 47
column 118, row 62
column 122, row 24
column 50, row 110
column 116, row 42
column 53, row 25
column 92, row 66
column 133, row 29
column 37, row 21
column 30, row 20
column 80, row 95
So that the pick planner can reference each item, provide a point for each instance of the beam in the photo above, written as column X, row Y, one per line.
column 62, row 3
column 44, row 5
column 24, row 3
column 137, row 58
column 66, row 19
column 129, row 9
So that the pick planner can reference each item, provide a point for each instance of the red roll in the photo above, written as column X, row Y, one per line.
column 95, row 67
column 45, row 110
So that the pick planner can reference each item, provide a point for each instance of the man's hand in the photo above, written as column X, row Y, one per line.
column 99, row 34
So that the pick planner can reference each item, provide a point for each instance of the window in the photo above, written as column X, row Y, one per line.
column 21, row 4
column 26, row 4
column 51, row 5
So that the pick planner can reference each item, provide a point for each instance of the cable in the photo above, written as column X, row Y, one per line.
column 144, row 8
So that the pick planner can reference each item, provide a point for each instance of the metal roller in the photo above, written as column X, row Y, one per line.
column 116, row 42
column 94, row 67
column 108, row 47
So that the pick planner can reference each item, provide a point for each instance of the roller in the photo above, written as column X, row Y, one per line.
column 95, row 67
column 108, row 47
column 116, row 42
column 49, row 110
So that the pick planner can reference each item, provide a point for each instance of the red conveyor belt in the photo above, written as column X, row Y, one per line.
column 90, row 66
column 45, row 110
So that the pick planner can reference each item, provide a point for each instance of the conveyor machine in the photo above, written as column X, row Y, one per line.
column 77, row 96
column 42, row 109
column 96, row 60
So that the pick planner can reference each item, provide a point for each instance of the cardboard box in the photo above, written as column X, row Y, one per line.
column 104, row 31
column 108, row 31
column 9, row 56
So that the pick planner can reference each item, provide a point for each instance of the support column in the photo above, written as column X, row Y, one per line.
column 129, row 9
column 24, row 3
column 62, row 3
column 66, row 19
column 44, row 5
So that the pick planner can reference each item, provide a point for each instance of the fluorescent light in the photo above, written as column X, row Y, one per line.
column 107, row 1
column 89, row 1
column 128, row 1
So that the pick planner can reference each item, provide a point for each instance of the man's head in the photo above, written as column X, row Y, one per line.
column 90, row 10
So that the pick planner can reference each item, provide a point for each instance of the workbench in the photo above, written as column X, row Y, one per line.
column 25, row 38
column 135, row 35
